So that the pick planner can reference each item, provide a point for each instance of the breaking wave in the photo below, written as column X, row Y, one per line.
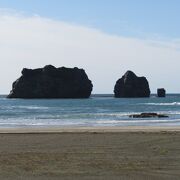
column 164, row 104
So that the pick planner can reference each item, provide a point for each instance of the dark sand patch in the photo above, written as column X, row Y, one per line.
column 118, row 155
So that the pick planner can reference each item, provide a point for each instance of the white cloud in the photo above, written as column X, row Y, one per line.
column 35, row 41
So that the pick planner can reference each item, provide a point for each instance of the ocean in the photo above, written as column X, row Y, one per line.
column 99, row 110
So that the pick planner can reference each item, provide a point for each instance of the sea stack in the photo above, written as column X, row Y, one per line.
column 131, row 86
column 52, row 82
column 161, row 92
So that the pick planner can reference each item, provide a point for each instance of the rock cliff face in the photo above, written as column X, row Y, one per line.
column 51, row 82
column 131, row 86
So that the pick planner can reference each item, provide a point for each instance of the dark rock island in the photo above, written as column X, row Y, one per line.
column 51, row 82
column 148, row 115
column 131, row 86
column 161, row 92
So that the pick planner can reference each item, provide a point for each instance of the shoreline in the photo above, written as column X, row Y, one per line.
column 71, row 129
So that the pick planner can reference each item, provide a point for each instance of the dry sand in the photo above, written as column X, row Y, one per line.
column 90, row 153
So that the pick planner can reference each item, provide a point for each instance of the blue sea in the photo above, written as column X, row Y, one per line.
column 99, row 110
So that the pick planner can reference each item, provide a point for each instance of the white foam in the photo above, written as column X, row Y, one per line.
column 137, row 121
column 164, row 104
column 31, row 107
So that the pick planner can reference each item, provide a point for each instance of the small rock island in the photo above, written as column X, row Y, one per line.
column 52, row 82
column 161, row 92
column 148, row 115
column 131, row 86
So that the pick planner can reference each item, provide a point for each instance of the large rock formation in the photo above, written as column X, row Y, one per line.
column 161, row 92
column 51, row 82
column 131, row 86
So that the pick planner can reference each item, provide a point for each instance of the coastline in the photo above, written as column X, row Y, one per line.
column 101, row 129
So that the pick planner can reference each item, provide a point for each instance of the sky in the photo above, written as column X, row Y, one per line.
column 104, row 37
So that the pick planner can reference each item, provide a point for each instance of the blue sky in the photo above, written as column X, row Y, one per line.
column 134, row 18
column 105, row 37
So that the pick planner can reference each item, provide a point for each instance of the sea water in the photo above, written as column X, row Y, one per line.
column 99, row 110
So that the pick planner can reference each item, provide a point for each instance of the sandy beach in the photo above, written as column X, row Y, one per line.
column 90, row 153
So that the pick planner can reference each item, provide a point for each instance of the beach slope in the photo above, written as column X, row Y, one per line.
column 90, row 155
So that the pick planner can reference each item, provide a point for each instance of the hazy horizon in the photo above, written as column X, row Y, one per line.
column 106, row 38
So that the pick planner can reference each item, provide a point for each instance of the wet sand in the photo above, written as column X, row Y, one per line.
column 90, row 153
